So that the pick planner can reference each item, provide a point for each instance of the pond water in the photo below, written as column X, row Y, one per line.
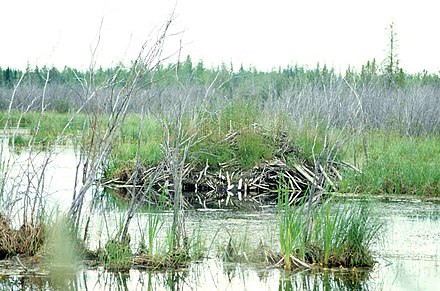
column 408, row 254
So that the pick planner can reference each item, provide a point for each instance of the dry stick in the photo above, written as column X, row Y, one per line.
column 336, row 173
column 6, row 165
column 352, row 167
column 117, row 115
column 363, row 115
column 41, row 178
column 299, row 262
column 30, row 171
column 176, row 153
column 134, row 192
column 301, row 170
column 329, row 181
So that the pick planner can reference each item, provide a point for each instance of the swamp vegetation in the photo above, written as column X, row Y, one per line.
column 166, row 139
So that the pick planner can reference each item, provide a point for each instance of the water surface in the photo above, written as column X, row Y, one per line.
column 408, row 253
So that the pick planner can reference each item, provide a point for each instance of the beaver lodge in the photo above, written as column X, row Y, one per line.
column 229, row 184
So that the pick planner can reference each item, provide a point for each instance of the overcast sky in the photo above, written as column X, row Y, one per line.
column 264, row 34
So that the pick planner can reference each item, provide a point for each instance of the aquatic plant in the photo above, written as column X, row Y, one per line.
column 396, row 164
column 292, row 229
column 341, row 235
column 116, row 255
column 27, row 240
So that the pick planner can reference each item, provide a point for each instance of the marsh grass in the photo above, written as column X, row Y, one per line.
column 18, row 140
column 341, row 235
column 168, row 256
column 238, row 249
column 156, row 249
column 252, row 144
column 397, row 165
column 253, row 147
column 197, row 244
column 44, row 128
column 237, row 114
column 241, row 248
column 292, row 229
column 116, row 255
column 27, row 240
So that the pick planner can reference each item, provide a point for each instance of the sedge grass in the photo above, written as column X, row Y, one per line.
column 116, row 255
column 292, row 229
column 44, row 128
column 398, row 165
column 338, row 235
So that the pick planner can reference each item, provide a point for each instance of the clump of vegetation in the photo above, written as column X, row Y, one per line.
column 331, row 235
column 18, row 140
column 157, row 248
column 116, row 255
column 240, row 250
column 326, row 235
column 27, row 240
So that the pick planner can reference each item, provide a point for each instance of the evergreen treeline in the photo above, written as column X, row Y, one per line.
column 188, row 72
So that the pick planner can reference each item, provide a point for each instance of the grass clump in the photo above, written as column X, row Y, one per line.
column 27, row 240
column 18, row 140
column 328, row 235
column 156, row 249
column 252, row 147
column 169, row 256
column 239, row 250
column 116, row 255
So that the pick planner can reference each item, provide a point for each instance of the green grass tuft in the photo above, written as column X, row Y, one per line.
column 339, row 235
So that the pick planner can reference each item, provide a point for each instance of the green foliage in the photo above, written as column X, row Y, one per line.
column 265, row 84
column 338, row 235
column 310, row 141
column 44, row 128
column 196, row 244
column 116, row 255
column 155, row 222
column 292, row 229
column 18, row 140
column 397, row 165
column 252, row 147
column 238, row 114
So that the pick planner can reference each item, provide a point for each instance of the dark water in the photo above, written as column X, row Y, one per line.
column 408, row 254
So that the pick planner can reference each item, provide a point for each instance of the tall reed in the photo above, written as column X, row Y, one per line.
column 341, row 234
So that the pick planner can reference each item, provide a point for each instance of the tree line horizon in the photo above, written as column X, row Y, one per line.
column 389, row 73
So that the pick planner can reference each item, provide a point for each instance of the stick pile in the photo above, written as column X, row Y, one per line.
column 230, row 186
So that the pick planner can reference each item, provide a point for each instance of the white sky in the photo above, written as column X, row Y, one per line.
column 264, row 34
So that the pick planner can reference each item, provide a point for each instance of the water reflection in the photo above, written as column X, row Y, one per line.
column 210, row 275
column 328, row 280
